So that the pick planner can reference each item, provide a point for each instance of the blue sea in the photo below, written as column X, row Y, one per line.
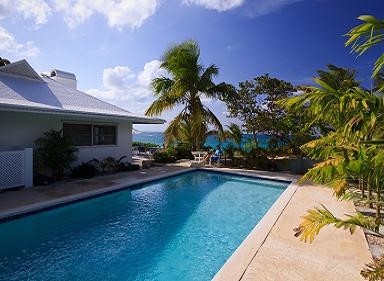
column 212, row 141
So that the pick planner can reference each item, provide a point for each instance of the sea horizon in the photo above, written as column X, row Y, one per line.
column 157, row 138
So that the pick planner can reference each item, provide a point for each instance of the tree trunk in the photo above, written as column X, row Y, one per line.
column 255, row 137
column 362, row 187
column 378, row 215
column 369, row 195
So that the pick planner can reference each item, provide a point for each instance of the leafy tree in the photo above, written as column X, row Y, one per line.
column 189, row 81
column 256, row 105
column 55, row 152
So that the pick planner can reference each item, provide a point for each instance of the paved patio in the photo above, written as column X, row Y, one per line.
column 270, row 252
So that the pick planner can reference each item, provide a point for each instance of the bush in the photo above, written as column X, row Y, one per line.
column 183, row 151
column 145, row 144
column 126, row 167
column 167, row 155
column 84, row 170
column 229, row 151
column 54, row 152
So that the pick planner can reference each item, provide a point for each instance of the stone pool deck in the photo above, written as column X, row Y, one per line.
column 270, row 252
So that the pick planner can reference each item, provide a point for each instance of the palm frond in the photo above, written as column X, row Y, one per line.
column 317, row 218
column 374, row 271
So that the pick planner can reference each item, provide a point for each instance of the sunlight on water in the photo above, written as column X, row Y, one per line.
column 181, row 228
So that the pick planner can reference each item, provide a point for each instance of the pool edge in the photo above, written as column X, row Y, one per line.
column 35, row 208
column 236, row 265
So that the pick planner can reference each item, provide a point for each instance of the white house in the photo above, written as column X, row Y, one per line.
column 31, row 104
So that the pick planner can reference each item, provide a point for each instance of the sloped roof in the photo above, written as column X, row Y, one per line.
column 22, row 90
column 22, row 69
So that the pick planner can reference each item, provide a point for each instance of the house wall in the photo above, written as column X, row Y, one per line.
column 20, row 130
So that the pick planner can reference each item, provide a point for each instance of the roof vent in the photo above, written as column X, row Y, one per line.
column 66, row 78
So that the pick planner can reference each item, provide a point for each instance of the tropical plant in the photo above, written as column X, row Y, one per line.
column 365, row 36
column 189, row 81
column 54, row 152
column 235, row 134
column 352, row 149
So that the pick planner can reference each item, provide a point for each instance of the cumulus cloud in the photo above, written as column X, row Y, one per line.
column 37, row 10
column 264, row 7
column 9, row 45
column 219, row 5
column 117, row 77
column 119, row 13
column 131, row 91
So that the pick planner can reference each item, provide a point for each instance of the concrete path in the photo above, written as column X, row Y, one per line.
column 334, row 255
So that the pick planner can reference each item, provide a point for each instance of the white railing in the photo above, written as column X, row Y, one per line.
column 16, row 168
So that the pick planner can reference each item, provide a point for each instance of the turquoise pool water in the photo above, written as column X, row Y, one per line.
column 180, row 228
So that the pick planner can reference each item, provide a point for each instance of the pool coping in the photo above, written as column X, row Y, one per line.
column 35, row 208
column 237, row 264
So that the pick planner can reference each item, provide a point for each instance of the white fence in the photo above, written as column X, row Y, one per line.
column 16, row 168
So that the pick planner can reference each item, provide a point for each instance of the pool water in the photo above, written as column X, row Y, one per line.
column 180, row 228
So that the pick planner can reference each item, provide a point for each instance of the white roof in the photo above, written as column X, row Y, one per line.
column 22, row 89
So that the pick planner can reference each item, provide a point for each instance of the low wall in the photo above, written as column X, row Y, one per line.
column 291, row 165
column 296, row 166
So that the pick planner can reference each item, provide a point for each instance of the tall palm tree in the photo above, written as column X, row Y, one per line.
column 188, row 82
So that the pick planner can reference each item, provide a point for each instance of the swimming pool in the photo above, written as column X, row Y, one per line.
column 180, row 228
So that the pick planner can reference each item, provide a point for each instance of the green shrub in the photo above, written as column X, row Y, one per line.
column 229, row 151
column 167, row 155
column 183, row 151
column 84, row 170
column 145, row 144
column 126, row 167
column 54, row 152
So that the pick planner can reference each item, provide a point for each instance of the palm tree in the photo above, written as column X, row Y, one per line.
column 4, row 62
column 234, row 133
column 366, row 35
column 189, row 81
column 354, row 149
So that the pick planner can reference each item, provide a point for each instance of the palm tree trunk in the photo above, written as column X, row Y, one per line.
column 369, row 195
column 255, row 137
column 362, row 187
column 378, row 215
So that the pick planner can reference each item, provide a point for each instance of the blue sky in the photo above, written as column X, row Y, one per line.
column 115, row 47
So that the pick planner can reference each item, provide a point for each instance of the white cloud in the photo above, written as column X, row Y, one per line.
column 116, row 78
column 264, row 7
column 129, row 90
column 37, row 10
column 219, row 5
column 119, row 13
column 10, row 46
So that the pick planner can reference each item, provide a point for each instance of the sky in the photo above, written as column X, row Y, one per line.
column 115, row 47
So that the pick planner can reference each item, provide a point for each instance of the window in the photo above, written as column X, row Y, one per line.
column 104, row 135
column 87, row 135
column 80, row 134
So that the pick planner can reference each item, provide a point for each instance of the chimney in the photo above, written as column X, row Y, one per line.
column 66, row 78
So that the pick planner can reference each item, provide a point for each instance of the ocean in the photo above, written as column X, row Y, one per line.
column 212, row 141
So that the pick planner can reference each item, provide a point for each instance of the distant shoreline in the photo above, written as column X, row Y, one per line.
column 212, row 141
